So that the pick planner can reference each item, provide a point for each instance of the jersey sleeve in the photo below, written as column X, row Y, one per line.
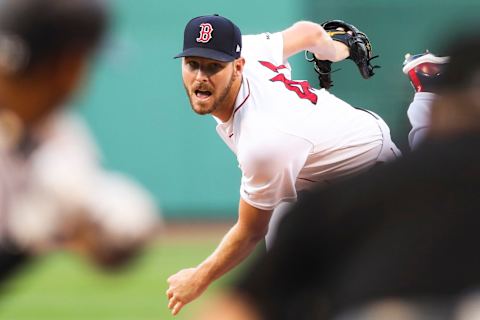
column 264, row 46
column 270, row 168
column 419, row 115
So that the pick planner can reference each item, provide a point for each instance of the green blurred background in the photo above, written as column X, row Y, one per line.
column 136, row 107
column 138, row 110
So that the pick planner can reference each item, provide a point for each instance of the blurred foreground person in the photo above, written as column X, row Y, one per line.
column 71, row 202
column 398, row 242
column 52, row 191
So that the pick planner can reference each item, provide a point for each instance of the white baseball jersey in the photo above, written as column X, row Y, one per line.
column 419, row 113
column 288, row 136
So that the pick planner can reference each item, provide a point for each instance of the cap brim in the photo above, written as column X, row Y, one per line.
column 206, row 53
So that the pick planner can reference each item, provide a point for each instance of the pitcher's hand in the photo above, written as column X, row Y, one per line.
column 183, row 287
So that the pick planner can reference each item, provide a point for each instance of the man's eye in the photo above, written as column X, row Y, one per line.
column 192, row 64
column 214, row 67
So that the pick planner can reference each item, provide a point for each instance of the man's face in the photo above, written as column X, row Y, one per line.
column 208, row 83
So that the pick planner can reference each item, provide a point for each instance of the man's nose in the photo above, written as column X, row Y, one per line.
column 201, row 75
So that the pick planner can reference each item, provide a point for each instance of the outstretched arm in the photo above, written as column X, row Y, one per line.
column 305, row 35
column 237, row 244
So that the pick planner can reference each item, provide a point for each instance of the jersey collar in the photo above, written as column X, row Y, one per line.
column 242, row 97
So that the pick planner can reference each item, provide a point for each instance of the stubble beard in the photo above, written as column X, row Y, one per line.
column 203, row 110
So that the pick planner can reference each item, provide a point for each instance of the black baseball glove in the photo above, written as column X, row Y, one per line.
column 358, row 44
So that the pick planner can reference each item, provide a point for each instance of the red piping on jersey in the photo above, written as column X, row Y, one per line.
column 245, row 100
column 241, row 104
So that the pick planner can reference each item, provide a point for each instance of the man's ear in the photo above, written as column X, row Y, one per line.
column 239, row 64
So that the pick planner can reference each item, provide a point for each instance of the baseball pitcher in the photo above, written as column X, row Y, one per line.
column 287, row 135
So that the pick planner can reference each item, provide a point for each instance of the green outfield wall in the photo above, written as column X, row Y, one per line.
column 137, row 108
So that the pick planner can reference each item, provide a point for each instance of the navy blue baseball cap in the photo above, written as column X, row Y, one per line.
column 213, row 37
